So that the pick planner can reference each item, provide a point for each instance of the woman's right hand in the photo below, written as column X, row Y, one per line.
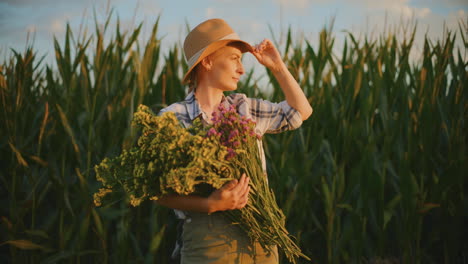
column 233, row 195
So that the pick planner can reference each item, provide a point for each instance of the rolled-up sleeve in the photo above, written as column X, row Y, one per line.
column 274, row 117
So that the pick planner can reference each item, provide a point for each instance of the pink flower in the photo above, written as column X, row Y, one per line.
column 231, row 154
column 231, row 129
column 211, row 132
column 233, row 134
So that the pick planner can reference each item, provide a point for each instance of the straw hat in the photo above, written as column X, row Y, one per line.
column 205, row 39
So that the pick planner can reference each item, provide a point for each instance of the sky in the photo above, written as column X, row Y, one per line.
column 38, row 21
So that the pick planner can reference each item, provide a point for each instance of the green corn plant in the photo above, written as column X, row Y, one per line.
column 372, row 162
column 57, row 124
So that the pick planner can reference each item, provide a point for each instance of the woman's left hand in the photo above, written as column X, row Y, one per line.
column 267, row 54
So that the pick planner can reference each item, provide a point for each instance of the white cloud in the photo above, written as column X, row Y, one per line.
column 443, row 3
column 435, row 23
column 454, row 18
column 424, row 12
column 395, row 8
column 411, row 12
column 372, row 18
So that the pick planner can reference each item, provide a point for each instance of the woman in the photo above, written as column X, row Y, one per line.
column 214, row 51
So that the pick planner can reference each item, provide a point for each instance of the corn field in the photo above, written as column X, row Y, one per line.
column 378, row 174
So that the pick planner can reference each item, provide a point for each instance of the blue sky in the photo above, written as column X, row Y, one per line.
column 44, row 19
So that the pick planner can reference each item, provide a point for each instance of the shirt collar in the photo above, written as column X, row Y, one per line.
column 193, row 107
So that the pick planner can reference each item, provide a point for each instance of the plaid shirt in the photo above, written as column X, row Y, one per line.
column 269, row 117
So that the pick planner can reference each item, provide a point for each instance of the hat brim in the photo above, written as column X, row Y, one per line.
column 245, row 47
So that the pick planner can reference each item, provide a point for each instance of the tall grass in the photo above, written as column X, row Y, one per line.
column 376, row 175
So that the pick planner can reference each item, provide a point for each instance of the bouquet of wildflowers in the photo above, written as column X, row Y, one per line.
column 171, row 159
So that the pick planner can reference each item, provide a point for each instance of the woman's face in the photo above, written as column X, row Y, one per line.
column 225, row 68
